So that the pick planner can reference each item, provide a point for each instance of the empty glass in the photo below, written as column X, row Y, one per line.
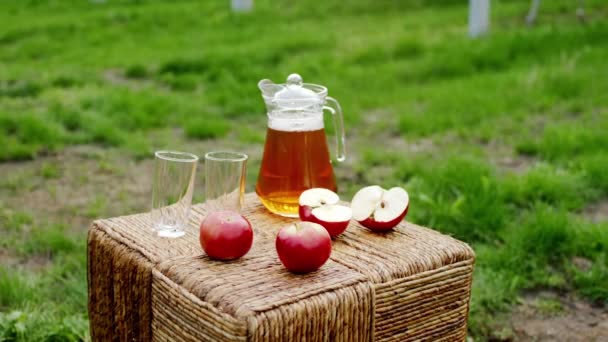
column 172, row 191
column 225, row 174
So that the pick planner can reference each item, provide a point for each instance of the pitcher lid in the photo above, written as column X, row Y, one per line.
column 293, row 93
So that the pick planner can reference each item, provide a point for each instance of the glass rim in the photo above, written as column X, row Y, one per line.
column 176, row 156
column 230, row 156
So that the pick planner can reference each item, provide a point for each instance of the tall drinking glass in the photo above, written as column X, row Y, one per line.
column 225, row 174
column 172, row 191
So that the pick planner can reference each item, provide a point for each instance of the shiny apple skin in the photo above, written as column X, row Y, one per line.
column 226, row 235
column 305, row 212
column 333, row 228
column 377, row 226
column 303, row 247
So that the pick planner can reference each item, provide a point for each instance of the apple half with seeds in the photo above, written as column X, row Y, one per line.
column 321, row 206
column 379, row 209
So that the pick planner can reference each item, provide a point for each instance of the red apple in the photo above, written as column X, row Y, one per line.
column 314, row 198
column 226, row 235
column 318, row 205
column 303, row 247
column 379, row 209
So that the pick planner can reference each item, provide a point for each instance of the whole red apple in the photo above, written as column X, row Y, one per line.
column 303, row 247
column 226, row 235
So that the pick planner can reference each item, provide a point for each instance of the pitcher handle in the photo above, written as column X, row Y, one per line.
column 334, row 108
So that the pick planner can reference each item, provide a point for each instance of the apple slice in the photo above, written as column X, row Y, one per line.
column 317, row 197
column 333, row 217
column 320, row 206
column 314, row 198
column 379, row 209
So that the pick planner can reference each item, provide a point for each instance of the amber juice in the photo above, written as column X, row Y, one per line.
column 295, row 159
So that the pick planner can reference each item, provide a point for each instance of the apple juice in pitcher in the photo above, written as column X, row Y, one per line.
column 296, row 155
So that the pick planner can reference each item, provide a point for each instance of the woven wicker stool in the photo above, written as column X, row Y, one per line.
column 409, row 284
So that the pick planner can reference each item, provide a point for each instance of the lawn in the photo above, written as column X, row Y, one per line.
column 501, row 141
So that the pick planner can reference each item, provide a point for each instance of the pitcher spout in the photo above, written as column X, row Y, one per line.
column 269, row 88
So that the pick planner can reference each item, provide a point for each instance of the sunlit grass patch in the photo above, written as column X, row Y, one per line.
column 50, row 170
column 459, row 196
column 595, row 168
column 43, row 294
column 181, row 82
column 16, row 287
column 206, row 128
column 247, row 134
column 535, row 253
column 14, row 150
column 537, row 249
column 48, row 241
column 493, row 292
column 593, row 283
column 130, row 110
column 591, row 240
column 14, row 221
column 545, row 236
column 64, row 81
column 545, row 183
column 136, row 71
column 19, row 89
column 28, row 134
column 592, row 243
column 39, row 323
column 565, row 141
column 71, row 119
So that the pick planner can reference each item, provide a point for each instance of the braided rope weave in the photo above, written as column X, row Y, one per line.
column 409, row 284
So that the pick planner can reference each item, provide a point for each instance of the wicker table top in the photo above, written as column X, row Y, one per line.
column 410, row 264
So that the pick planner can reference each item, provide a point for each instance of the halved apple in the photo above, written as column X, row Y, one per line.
column 320, row 206
column 379, row 209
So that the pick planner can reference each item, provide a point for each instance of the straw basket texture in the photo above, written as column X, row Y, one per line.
column 408, row 284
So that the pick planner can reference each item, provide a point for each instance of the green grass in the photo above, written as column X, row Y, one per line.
column 15, row 287
column 592, row 283
column 48, row 304
column 436, row 78
column 549, row 306
column 207, row 128
column 564, row 141
column 49, row 241
column 36, row 324
column 136, row 75
column 594, row 167
column 547, row 184
column 522, row 227
column 50, row 171
column 469, row 208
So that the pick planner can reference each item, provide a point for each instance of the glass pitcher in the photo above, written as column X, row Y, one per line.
column 296, row 156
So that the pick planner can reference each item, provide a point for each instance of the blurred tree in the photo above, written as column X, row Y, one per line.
column 242, row 5
column 533, row 12
column 479, row 17
column 535, row 5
